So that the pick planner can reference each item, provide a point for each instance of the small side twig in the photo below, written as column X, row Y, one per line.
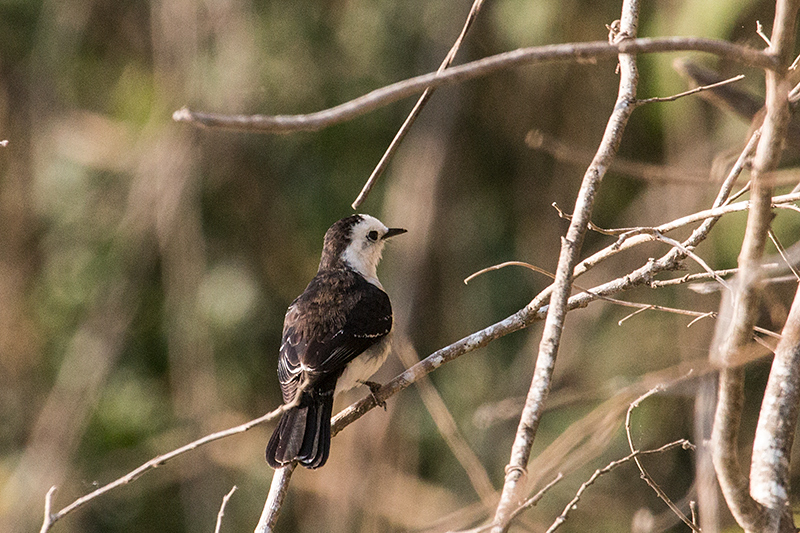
column 782, row 252
column 222, row 506
column 645, row 476
column 527, row 504
column 633, row 456
column 48, row 509
column 760, row 32
column 690, row 91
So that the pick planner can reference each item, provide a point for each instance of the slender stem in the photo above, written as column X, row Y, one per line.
column 412, row 116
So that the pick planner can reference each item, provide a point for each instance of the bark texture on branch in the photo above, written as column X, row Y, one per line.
column 621, row 31
column 735, row 328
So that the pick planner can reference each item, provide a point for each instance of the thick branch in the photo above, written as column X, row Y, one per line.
column 769, row 471
column 482, row 67
column 735, row 327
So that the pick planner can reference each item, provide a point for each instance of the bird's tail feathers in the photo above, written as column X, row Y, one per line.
column 303, row 433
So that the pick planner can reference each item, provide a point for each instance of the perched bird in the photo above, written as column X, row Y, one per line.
column 335, row 335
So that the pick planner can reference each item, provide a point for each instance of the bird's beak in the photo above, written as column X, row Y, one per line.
column 393, row 231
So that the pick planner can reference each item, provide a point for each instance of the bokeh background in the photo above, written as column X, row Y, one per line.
column 145, row 265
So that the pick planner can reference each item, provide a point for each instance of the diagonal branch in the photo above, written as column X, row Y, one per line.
column 623, row 30
column 412, row 116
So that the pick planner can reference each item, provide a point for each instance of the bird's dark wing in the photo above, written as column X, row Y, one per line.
column 337, row 317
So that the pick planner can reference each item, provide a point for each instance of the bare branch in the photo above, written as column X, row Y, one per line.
column 221, row 512
column 645, row 476
column 623, row 30
column 48, row 510
column 482, row 67
column 760, row 32
column 412, row 116
column 782, row 252
column 690, row 91
column 277, row 492
column 685, row 444
column 769, row 469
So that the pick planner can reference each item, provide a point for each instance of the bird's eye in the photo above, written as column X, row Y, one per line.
column 372, row 235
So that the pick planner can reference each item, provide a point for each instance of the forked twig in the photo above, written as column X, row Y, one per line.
column 634, row 455
column 222, row 506
column 649, row 480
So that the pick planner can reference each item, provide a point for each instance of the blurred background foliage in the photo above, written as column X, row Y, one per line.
column 146, row 265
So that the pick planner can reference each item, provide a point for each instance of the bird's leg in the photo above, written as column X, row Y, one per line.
column 374, row 387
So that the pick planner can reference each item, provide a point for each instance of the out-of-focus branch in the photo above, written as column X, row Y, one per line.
column 620, row 31
column 482, row 67
column 735, row 327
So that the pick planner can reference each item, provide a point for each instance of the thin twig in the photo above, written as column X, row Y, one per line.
column 412, row 116
column 782, row 252
column 697, row 258
column 690, row 91
column 645, row 476
column 760, row 33
column 683, row 443
column 482, row 67
column 161, row 460
column 48, row 509
column 221, row 512
column 527, row 504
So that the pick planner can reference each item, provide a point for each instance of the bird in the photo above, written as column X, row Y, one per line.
column 335, row 336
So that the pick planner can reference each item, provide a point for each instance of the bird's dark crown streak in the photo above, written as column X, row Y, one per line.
column 335, row 334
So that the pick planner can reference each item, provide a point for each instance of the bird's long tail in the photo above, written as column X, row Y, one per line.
column 303, row 433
